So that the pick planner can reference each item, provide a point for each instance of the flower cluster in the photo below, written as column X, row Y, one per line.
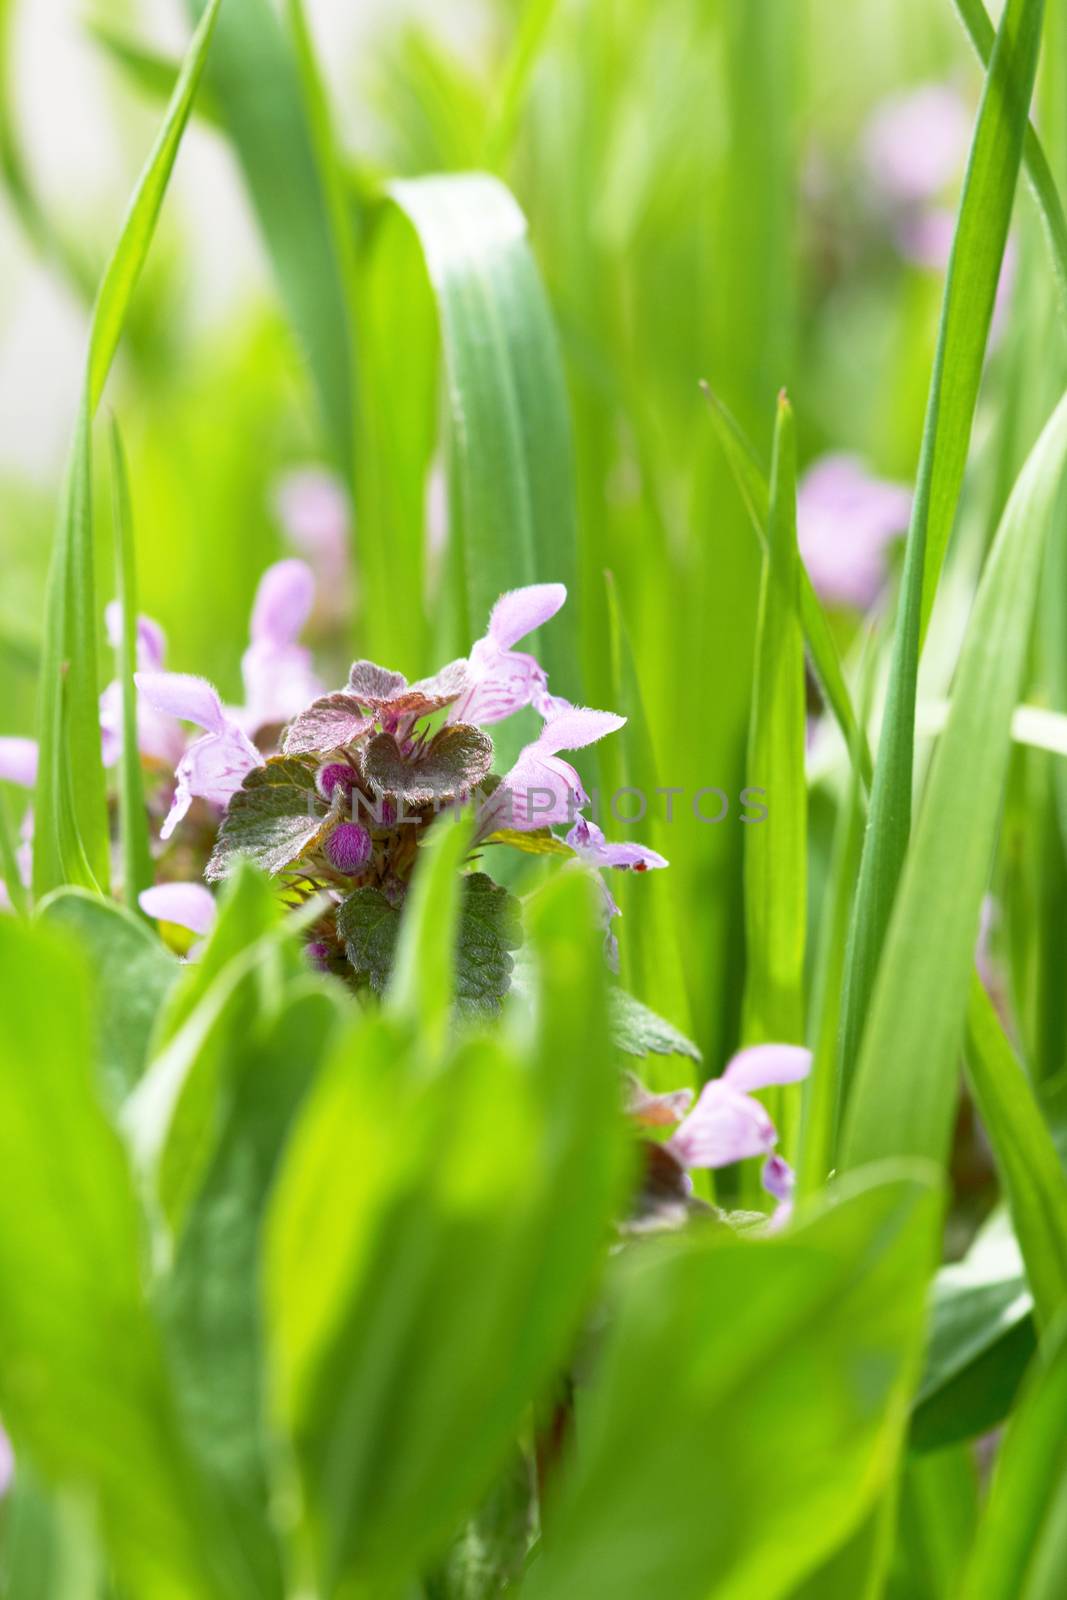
column 332, row 792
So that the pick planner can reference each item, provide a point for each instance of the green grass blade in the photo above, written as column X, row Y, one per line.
column 1031, row 1176
column 133, row 818
column 1022, row 1537
column 261, row 82
column 421, row 986
column 71, row 843
column 967, row 308
column 822, row 648
column 84, row 1388
column 906, row 1080
column 776, row 849
column 507, row 401
column 154, row 72
column 981, row 33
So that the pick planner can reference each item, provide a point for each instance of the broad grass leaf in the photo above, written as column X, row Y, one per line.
column 511, row 444
column 83, row 1387
column 133, row 974
column 980, row 1342
column 433, row 1241
column 1022, row 1538
column 746, row 1406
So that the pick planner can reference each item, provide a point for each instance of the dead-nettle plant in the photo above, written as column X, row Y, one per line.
column 334, row 793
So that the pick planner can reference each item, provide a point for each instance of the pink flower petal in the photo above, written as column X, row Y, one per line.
column 181, row 694
column 283, row 602
column 18, row 761
column 213, row 768
column 765, row 1064
column 522, row 610
column 723, row 1127
column 588, row 841
column 190, row 905
column 577, row 727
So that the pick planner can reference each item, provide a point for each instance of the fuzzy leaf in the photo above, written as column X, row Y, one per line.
column 641, row 1032
column 272, row 819
column 330, row 723
column 456, row 759
column 489, row 927
column 389, row 692
column 369, row 925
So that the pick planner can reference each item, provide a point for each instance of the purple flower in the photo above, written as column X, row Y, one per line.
column 277, row 672
column 7, row 1463
column 915, row 144
column 214, row 766
column 727, row 1124
column 159, row 737
column 540, row 788
column 588, row 842
column 18, row 762
column 190, row 905
column 846, row 520
column 500, row 679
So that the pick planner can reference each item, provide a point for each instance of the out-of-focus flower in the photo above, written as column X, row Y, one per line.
column 925, row 238
column 7, row 1463
column 159, row 737
column 18, row 762
column 189, row 905
column 541, row 789
column 846, row 520
column 499, row 678
column 279, row 682
column 727, row 1124
column 18, row 765
column 915, row 144
column 214, row 766
column 313, row 509
column 278, row 676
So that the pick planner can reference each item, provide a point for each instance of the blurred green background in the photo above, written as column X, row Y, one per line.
column 705, row 201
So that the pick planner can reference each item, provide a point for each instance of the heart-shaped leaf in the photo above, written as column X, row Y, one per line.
column 272, row 820
column 453, row 763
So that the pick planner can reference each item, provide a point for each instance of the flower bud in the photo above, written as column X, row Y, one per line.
column 348, row 848
column 333, row 776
